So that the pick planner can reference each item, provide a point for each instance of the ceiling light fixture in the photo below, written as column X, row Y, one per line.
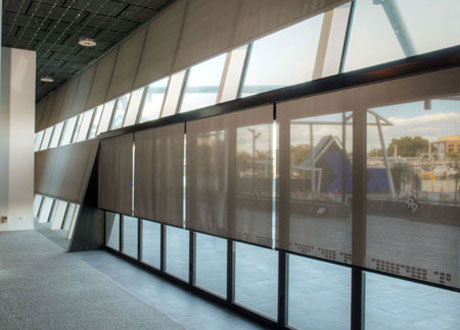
column 47, row 79
column 87, row 42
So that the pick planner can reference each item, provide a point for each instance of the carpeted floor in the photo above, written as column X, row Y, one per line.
column 42, row 287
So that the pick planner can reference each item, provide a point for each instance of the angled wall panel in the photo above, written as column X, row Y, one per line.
column 40, row 112
column 84, row 88
column 161, row 45
column 208, row 30
column 127, row 64
column 56, row 105
column 68, row 100
column 159, row 162
column 101, row 80
column 116, row 174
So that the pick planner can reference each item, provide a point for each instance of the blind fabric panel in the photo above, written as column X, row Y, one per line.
column 84, row 88
column 64, row 172
column 101, row 79
column 69, row 99
column 40, row 112
column 159, row 171
column 126, row 65
column 161, row 44
column 230, row 175
column 116, row 174
column 208, row 30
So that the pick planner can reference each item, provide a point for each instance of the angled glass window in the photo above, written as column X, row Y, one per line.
column 38, row 140
column 173, row 93
column 112, row 230
column 37, row 204
column 58, row 216
column 232, row 79
column 56, row 134
column 153, row 100
column 284, row 58
column 85, row 124
column 106, row 116
column 119, row 112
column 77, row 128
column 133, row 107
column 45, row 210
column 69, row 128
column 47, row 138
column 95, row 122
column 74, row 220
column 384, row 31
column 203, row 83
column 69, row 215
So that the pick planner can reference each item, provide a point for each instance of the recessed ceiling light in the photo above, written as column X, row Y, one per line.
column 87, row 42
column 47, row 79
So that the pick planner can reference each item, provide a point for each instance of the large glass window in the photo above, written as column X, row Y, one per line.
column 203, row 83
column 69, row 215
column 45, row 210
column 256, row 279
column 119, row 112
column 95, row 122
column 133, row 107
column 37, row 204
column 153, row 100
column 211, row 263
column 151, row 243
column 173, row 93
column 231, row 83
column 56, row 135
column 105, row 118
column 112, row 230
column 58, row 216
column 177, row 252
column 413, row 190
column 284, row 58
column 77, row 128
column 38, row 140
column 404, row 28
column 319, row 295
column 69, row 128
column 47, row 138
column 130, row 235
column 87, row 116
column 402, row 305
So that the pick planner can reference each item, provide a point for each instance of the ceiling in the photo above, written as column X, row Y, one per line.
column 53, row 28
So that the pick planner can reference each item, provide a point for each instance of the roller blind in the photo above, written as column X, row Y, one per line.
column 40, row 112
column 51, row 106
column 159, row 171
column 69, row 100
column 116, row 174
column 126, row 65
column 64, row 172
column 230, row 175
column 161, row 44
column 101, row 79
column 84, row 88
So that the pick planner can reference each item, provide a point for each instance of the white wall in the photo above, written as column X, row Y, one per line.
column 17, row 121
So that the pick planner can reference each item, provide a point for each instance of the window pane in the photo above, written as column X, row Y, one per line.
column 45, row 210
column 151, row 243
column 319, row 294
column 133, row 107
column 95, row 123
column 112, row 230
column 56, row 135
column 404, row 28
column 37, row 204
column 58, row 217
column 120, row 110
column 69, row 215
column 234, row 74
column 284, row 58
column 153, row 100
column 69, row 127
column 256, row 279
column 412, row 190
column 86, row 122
column 177, row 252
column 74, row 220
column 47, row 138
column 174, row 92
column 77, row 128
column 130, row 230
column 38, row 140
column 203, row 84
column 106, row 116
column 403, row 305
column 211, row 263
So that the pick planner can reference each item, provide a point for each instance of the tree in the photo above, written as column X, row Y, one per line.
column 375, row 152
column 300, row 153
column 409, row 146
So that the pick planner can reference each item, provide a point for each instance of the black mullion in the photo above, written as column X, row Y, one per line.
column 140, row 229
column 230, row 271
column 163, row 248
column 120, row 247
column 283, row 292
column 192, row 257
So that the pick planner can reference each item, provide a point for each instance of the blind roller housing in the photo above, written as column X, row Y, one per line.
column 159, row 171
column 116, row 174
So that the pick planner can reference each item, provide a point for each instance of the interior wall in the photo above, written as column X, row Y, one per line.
column 17, row 121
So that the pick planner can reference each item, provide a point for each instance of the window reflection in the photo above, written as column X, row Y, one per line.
column 153, row 100
column 119, row 112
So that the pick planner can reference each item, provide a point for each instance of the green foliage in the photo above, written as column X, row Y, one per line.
column 453, row 156
column 300, row 153
column 408, row 146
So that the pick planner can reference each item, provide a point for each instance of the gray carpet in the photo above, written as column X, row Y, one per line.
column 42, row 287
